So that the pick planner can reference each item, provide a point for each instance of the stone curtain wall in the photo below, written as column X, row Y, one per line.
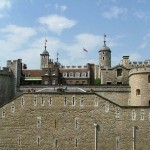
column 66, row 121
column 6, row 87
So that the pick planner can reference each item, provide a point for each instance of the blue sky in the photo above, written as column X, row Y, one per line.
column 70, row 25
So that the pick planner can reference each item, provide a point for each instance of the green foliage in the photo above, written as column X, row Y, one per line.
column 97, row 81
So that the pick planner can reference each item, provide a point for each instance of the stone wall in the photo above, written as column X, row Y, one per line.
column 6, row 86
column 110, row 75
column 67, row 121
column 117, row 94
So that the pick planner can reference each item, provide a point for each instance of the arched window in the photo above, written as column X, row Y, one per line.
column 138, row 92
column 148, row 78
column 83, row 74
column 77, row 74
column 65, row 74
column 71, row 74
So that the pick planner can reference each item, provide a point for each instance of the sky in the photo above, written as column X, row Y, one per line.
column 71, row 25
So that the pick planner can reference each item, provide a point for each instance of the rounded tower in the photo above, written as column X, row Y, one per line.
column 44, row 57
column 139, row 80
column 105, row 56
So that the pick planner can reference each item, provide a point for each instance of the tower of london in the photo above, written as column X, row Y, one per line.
column 59, row 107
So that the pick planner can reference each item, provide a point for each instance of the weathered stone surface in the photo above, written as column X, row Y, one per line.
column 48, row 122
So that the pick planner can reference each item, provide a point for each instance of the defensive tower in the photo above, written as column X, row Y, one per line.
column 44, row 57
column 105, row 56
column 139, row 80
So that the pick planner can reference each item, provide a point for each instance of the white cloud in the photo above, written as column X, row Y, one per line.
column 135, row 56
column 142, row 15
column 5, row 5
column 61, row 8
column 56, row 23
column 16, row 35
column 14, row 39
column 98, row 2
column 145, row 42
column 115, row 12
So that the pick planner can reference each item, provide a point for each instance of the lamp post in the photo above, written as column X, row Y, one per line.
column 134, row 137
column 95, row 125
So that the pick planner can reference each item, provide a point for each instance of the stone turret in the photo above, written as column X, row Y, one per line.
column 105, row 56
column 45, row 57
column 139, row 80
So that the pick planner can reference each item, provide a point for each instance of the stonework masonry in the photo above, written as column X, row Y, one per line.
column 139, row 80
column 67, row 121
column 6, row 85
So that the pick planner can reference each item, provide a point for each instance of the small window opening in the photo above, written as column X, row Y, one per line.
column 119, row 72
column 138, row 92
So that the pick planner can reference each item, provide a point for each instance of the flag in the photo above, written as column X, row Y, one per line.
column 85, row 49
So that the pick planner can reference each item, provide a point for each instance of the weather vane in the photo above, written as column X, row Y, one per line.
column 104, row 39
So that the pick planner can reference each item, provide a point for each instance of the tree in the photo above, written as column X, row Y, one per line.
column 97, row 81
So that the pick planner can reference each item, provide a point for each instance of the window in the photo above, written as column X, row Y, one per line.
column 12, row 108
column 38, row 122
column 83, row 82
column 19, row 140
column 53, row 72
column 45, row 82
column 77, row 82
column 71, row 74
column 107, row 107
column 109, row 82
column 64, row 74
column 138, row 92
column 55, row 124
column 73, row 101
column 81, row 101
column 3, row 114
column 65, row 101
column 83, row 74
column 76, row 143
column 35, row 100
column 38, row 140
column 77, row 74
column 56, row 143
column 117, row 142
column 76, row 123
column 46, row 72
column 117, row 113
column 133, row 115
column 53, row 82
column 119, row 83
column 22, row 101
column 119, row 72
column 42, row 101
column 148, row 78
column 50, row 101
column 96, row 101
column 142, row 114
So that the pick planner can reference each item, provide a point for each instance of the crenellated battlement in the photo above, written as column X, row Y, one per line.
column 74, row 67
column 140, row 63
column 5, row 71
column 139, row 70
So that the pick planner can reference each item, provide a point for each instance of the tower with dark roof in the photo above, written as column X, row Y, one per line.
column 44, row 57
column 105, row 56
